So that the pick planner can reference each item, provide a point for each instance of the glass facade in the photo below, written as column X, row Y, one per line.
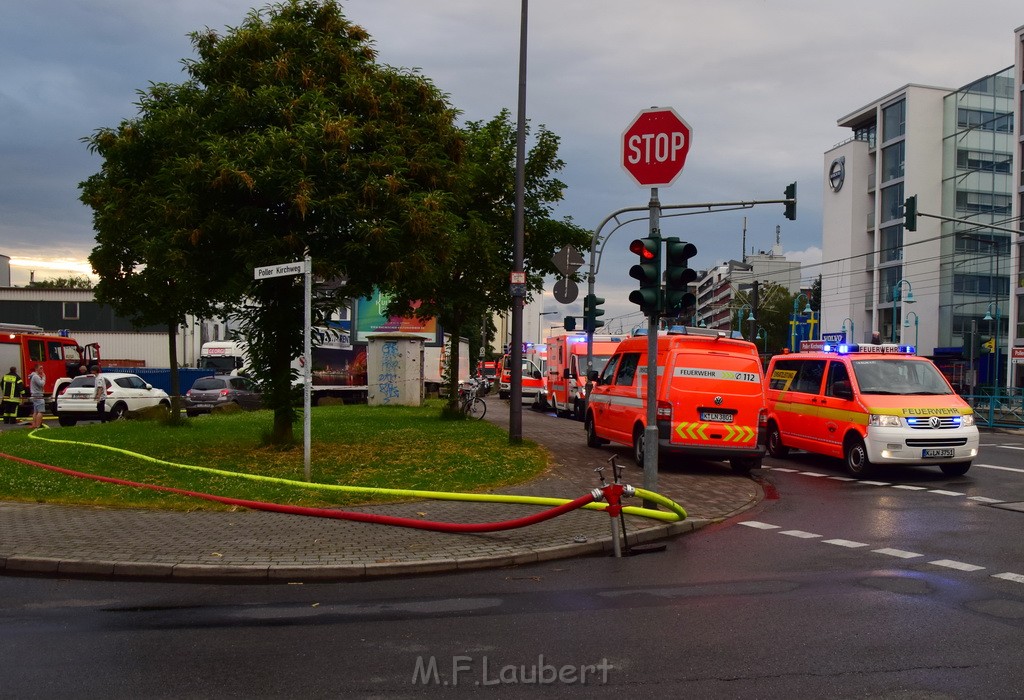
column 977, row 186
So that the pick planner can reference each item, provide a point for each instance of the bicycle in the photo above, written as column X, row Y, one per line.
column 471, row 404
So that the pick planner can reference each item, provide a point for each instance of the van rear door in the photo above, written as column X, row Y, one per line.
column 716, row 399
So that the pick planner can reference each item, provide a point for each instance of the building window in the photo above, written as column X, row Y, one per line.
column 982, row 243
column 894, row 121
column 984, row 161
column 982, row 285
column 892, row 203
column 888, row 278
column 985, row 120
column 983, row 203
column 70, row 312
column 892, row 162
column 892, row 243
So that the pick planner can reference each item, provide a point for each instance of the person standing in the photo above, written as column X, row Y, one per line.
column 12, row 391
column 100, row 393
column 37, row 393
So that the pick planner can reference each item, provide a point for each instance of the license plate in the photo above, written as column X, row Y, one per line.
column 941, row 452
column 716, row 417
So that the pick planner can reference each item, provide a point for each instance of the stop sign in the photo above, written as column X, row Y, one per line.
column 654, row 146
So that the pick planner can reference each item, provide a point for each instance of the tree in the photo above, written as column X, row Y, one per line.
column 775, row 304
column 470, row 278
column 73, row 282
column 289, row 138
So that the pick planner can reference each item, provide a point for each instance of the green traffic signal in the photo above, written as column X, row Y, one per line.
column 648, row 273
column 591, row 310
column 678, row 276
column 910, row 213
column 791, row 205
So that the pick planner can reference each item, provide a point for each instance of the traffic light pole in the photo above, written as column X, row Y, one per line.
column 650, row 437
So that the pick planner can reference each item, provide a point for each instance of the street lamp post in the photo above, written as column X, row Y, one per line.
column 762, row 334
column 995, row 345
column 750, row 316
column 909, row 299
column 848, row 338
column 542, row 313
column 906, row 324
column 796, row 306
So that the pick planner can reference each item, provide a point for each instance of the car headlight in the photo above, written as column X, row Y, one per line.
column 884, row 421
column 966, row 420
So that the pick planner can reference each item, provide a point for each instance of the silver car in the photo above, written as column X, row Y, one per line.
column 221, row 390
column 123, row 393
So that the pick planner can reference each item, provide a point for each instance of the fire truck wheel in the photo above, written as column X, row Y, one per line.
column 577, row 409
column 856, row 455
column 744, row 465
column 592, row 439
column 775, row 446
column 638, row 446
column 955, row 469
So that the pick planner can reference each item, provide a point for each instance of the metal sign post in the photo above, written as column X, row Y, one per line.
column 651, row 429
column 303, row 267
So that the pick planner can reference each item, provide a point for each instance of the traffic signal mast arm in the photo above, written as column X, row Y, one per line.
column 911, row 202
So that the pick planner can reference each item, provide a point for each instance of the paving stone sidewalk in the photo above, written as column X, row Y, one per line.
column 259, row 546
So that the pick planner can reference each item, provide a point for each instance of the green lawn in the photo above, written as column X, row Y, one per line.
column 381, row 447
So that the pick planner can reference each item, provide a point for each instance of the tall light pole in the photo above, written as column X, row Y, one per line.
column 540, row 338
column 515, row 413
column 995, row 345
column 849, row 337
column 762, row 333
column 909, row 299
column 796, row 312
column 906, row 324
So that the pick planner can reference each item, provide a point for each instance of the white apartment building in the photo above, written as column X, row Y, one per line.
column 716, row 288
column 948, row 283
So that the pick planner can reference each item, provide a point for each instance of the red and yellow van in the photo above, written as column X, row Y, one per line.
column 710, row 398
column 868, row 405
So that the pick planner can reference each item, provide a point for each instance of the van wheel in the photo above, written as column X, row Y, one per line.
column 856, row 455
column 744, row 465
column 577, row 409
column 638, row 446
column 955, row 469
column 592, row 439
column 775, row 446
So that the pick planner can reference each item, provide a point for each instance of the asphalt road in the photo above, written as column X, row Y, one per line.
column 831, row 588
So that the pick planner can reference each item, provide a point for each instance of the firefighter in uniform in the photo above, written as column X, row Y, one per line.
column 12, row 391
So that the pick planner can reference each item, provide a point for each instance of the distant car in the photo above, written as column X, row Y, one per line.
column 221, row 390
column 124, row 392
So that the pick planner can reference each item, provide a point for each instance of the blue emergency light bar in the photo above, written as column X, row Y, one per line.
column 882, row 348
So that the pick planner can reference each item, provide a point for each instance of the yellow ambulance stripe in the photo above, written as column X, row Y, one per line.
column 733, row 433
column 837, row 414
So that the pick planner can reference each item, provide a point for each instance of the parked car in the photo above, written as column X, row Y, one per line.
column 220, row 390
column 124, row 392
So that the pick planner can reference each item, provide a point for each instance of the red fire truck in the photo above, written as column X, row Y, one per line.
column 567, row 369
column 25, row 346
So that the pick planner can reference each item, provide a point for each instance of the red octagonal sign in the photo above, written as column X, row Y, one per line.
column 654, row 147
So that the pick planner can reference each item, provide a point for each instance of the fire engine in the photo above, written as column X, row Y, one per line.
column 567, row 369
column 25, row 346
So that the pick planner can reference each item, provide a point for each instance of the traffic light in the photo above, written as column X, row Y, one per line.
column 648, row 272
column 910, row 213
column 569, row 323
column 591, row 310
column 791, row 206
column 678, row 276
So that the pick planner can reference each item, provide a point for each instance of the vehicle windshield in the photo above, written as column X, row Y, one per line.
column 900, row 377
column 219, row 364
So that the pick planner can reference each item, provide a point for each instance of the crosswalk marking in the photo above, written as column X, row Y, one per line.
column 901, row 553
column 959, row 565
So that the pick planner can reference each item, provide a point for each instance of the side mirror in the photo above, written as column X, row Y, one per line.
column 843, row 390
column 149, row 387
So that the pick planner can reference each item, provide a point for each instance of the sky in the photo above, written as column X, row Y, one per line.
column 761, row 83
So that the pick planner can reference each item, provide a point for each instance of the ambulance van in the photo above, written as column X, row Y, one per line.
column 710, row 398
column 567, row 369
column 869, row 405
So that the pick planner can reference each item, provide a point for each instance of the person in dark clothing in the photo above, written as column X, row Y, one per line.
column 11, row 390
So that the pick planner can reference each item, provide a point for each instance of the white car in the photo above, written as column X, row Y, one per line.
column 125, row 392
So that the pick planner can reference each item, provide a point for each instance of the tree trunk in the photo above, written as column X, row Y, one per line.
column 172, row 349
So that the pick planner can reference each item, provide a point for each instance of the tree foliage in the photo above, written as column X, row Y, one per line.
column 470, row 279
column 288, row 137
column 72, row 282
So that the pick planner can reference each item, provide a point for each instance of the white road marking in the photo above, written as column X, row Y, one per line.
column 799, row 533
column 995, row 466
column 946, row 493
column 842, row 478
column 785, row 469
column 759, row 525
column 907, row 487
column 984, row 499
column 846, row 543
column 1016, row 578
column 901, row 553
column 875, row 483
column 959, row 565
column 811, row 474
